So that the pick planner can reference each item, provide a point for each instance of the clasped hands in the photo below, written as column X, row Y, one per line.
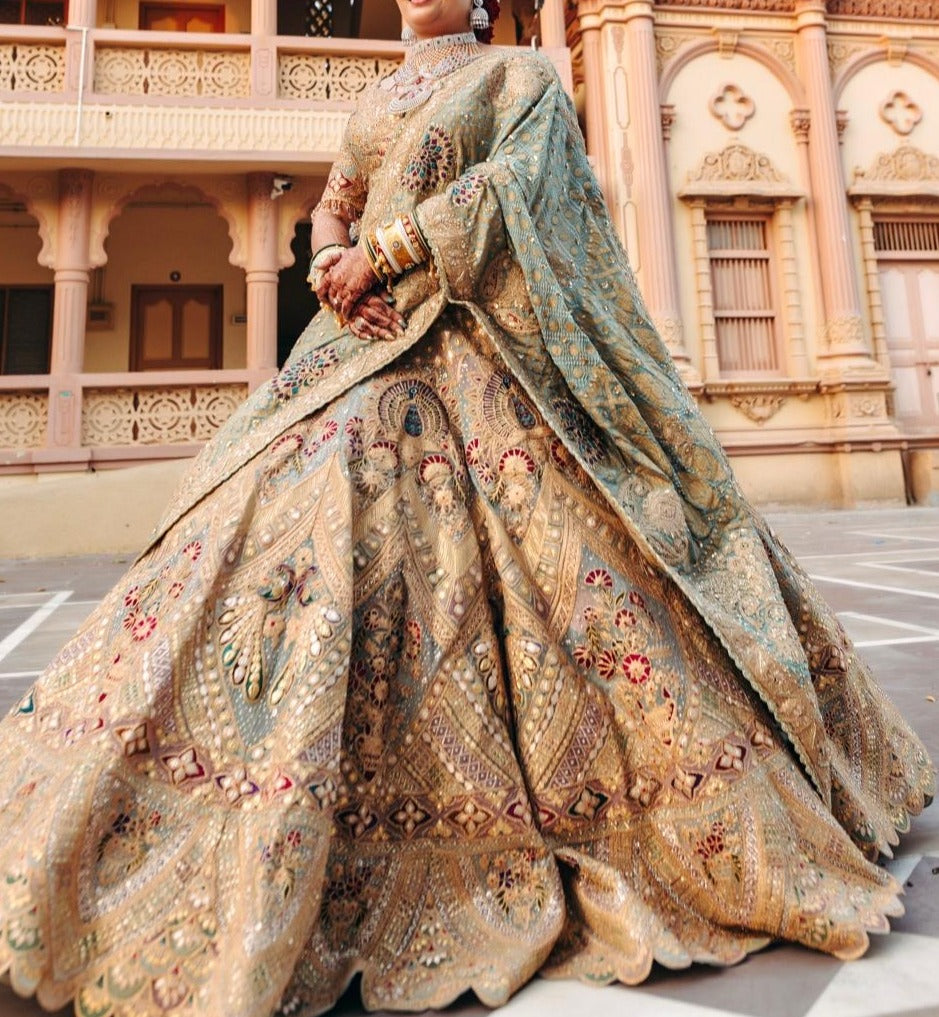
column 345, row 283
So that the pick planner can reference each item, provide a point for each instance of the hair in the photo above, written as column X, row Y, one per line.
column 492, row 9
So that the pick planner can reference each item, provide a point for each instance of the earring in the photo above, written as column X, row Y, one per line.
column 479, row 19
column 407, row 35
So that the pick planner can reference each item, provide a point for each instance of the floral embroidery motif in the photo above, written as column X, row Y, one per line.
column 306, row 370
column 433, row 163
column 466, row 187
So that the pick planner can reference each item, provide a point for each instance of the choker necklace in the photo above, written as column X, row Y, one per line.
column 427, row 63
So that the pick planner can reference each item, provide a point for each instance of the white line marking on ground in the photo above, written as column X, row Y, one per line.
column 900, row 568
column 28, row 627
column 895, row 536
column 896, row 642
column 10, row 675
column 889, row 621
column 894, row 554
column 875, row 586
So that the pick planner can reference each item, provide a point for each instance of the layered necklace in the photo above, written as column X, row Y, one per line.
column 425, row 67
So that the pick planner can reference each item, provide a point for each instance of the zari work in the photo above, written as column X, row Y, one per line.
column 456, row 657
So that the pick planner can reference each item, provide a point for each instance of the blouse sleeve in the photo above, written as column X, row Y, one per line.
column 346, row 188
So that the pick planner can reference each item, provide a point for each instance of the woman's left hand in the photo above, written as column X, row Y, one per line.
column 347, row 281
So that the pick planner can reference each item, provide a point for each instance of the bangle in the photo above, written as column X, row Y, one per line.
column 399, row 246
column 372, row 258
column 318, row 257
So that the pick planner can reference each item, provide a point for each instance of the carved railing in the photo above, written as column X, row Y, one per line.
column 172, row 71
column 23, row 419
column 164, row 415
column 31, row 67
column 314, row 76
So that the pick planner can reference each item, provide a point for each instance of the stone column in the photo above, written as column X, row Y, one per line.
column 261, row 274
column 875, row 303
column 72, row 272
column 598, row 147
column 651, row 193
column 844, row 349
column 710, row 361
column 82, row 14
column 553, row 27
column 263, row 49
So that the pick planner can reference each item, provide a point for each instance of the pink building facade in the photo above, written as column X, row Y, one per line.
column 767, row 166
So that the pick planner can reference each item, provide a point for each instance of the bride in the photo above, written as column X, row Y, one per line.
column 459, row 655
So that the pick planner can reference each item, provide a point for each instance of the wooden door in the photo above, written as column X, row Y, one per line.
column 182, row 17
column 910, row 294
column 175, row 328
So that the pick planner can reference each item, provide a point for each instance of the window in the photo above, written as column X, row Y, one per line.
column 907, row 236
column 336, row 18
column 742, row 283
column 25, row 329
column 182, row 17
column 33, row 12
column 176, row 328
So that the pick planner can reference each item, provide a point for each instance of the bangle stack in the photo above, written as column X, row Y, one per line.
column 394, row 249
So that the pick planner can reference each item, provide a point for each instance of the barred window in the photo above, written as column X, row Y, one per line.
column 907, row 236
column 745, row 313
column 25, row 329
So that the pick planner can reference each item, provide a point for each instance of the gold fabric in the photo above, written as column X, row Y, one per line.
column 455, row 658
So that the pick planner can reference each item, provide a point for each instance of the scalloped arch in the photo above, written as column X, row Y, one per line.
column 114, row 206
column 874, row 55
column 296, row 208
column 686, row 54
column 34, row 207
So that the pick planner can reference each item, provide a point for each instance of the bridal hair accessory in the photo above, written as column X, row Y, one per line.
column 479, row 19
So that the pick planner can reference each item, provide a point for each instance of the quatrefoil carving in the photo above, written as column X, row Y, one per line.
column 901, row 113
column 732, row 107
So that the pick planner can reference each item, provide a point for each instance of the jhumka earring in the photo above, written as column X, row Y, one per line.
column 407, row 35
column 479, row 19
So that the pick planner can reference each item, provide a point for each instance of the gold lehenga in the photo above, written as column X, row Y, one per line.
column 456, row 658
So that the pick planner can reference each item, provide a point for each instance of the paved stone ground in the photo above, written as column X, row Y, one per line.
column 880, row 570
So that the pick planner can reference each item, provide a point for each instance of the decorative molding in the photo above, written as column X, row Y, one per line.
column 785, row 52
column 758, row 408
column 907, row 171
column 38, row 128
column 737, row 170
column 340, row 78
column 157, row 416
column 901, row 113
column 840, row 52
column 667, row 44
column 32, row 68
column 800, row 120
column 726, row 42
column 842, row 119
column 775, row 6
column 901, row 10
column 23, row 417
column 667, row 114
column 732, row 106
column 175, row 72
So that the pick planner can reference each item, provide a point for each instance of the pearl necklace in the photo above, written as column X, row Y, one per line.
column 431, row 60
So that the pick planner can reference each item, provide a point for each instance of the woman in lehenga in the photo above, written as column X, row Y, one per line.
column 459, row 656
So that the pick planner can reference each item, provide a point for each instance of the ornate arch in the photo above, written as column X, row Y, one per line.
column 40, row 196
column 777, row 68
column 295, row 207
column 114, row 192
column 874, row 55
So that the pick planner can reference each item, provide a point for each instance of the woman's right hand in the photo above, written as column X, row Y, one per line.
column 374, row 318
column 346, row 282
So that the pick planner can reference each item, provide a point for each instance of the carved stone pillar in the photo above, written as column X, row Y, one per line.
column 598, row 147
column 82, row 14
column 263, row 49
column 658, row 277
column 261, row 275
column 72, row 272
column 844, row 351
column 710, row 361
column 553, row 29
column 875, row 304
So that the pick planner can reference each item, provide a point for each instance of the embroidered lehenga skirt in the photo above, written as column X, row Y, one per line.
column 402, row 690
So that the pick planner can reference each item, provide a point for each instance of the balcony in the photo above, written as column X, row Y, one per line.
column 100, row 93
